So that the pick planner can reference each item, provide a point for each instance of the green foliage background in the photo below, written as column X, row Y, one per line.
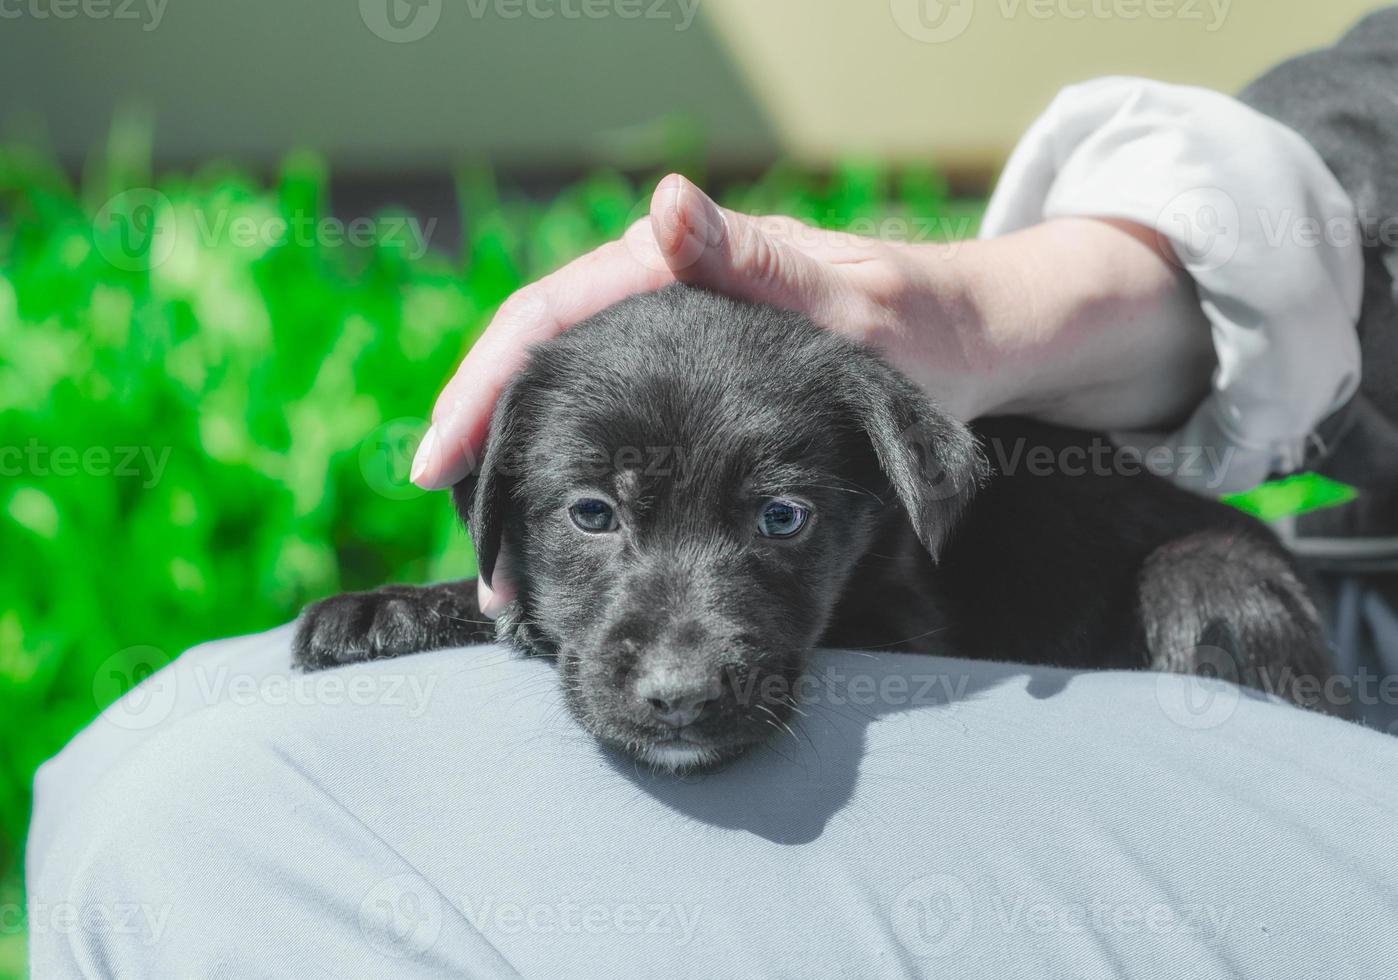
column 284, row 385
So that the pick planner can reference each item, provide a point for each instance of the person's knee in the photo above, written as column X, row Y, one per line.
column 125, row 859
column 195, row 765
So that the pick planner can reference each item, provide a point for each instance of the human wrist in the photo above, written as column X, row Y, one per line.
column 1086, row 322
column 941, row 302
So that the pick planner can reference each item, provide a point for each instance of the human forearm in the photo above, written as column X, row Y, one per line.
column 1085, row 322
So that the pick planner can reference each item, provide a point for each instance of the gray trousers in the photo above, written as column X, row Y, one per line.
column 442, row 816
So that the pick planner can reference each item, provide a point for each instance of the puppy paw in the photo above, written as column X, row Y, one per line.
column 360, row 626
column 1228, row 603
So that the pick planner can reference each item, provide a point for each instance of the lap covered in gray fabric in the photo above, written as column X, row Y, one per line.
column 443, row 816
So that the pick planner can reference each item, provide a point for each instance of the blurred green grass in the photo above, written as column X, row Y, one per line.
column 203, row 429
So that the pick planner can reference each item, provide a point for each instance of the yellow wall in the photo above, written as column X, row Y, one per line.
column 820, row 79
column 842, row 76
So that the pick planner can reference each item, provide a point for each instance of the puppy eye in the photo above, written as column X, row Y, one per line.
column 593, row 516
column 781, row 518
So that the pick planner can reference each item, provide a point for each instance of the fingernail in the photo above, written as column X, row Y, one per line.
column 712, row 225
column 704, row 225
column 485, row 598
column 672, row 188
column 423, row 458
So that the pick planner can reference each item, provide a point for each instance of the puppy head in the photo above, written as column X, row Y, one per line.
column 684, row 484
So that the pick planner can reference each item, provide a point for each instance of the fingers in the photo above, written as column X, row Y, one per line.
column 493, row 598
column 688, row 237
column 585, row 286
column 753, row 258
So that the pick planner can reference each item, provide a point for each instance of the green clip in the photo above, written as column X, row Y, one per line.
column 1292, row 496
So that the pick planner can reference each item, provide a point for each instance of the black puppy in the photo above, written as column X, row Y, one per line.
column 694, row 492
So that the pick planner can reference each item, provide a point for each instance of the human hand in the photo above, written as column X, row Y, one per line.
column 865, row 288
column 1078, row 321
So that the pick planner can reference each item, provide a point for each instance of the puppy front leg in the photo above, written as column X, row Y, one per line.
column 1226, row 602
column 388, row 622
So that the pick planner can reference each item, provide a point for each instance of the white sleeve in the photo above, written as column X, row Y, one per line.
column 1255, row 217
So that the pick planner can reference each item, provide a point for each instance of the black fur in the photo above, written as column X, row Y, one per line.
column 686, row 409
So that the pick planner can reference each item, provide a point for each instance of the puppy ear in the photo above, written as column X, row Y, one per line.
column 931, row 460
column 481, row 496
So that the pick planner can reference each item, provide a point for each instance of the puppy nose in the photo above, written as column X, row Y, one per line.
column 676, row 705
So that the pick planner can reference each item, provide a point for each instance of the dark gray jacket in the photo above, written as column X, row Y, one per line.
column 1344, row 100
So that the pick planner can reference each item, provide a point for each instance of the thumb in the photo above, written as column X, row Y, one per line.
column 706, row 245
